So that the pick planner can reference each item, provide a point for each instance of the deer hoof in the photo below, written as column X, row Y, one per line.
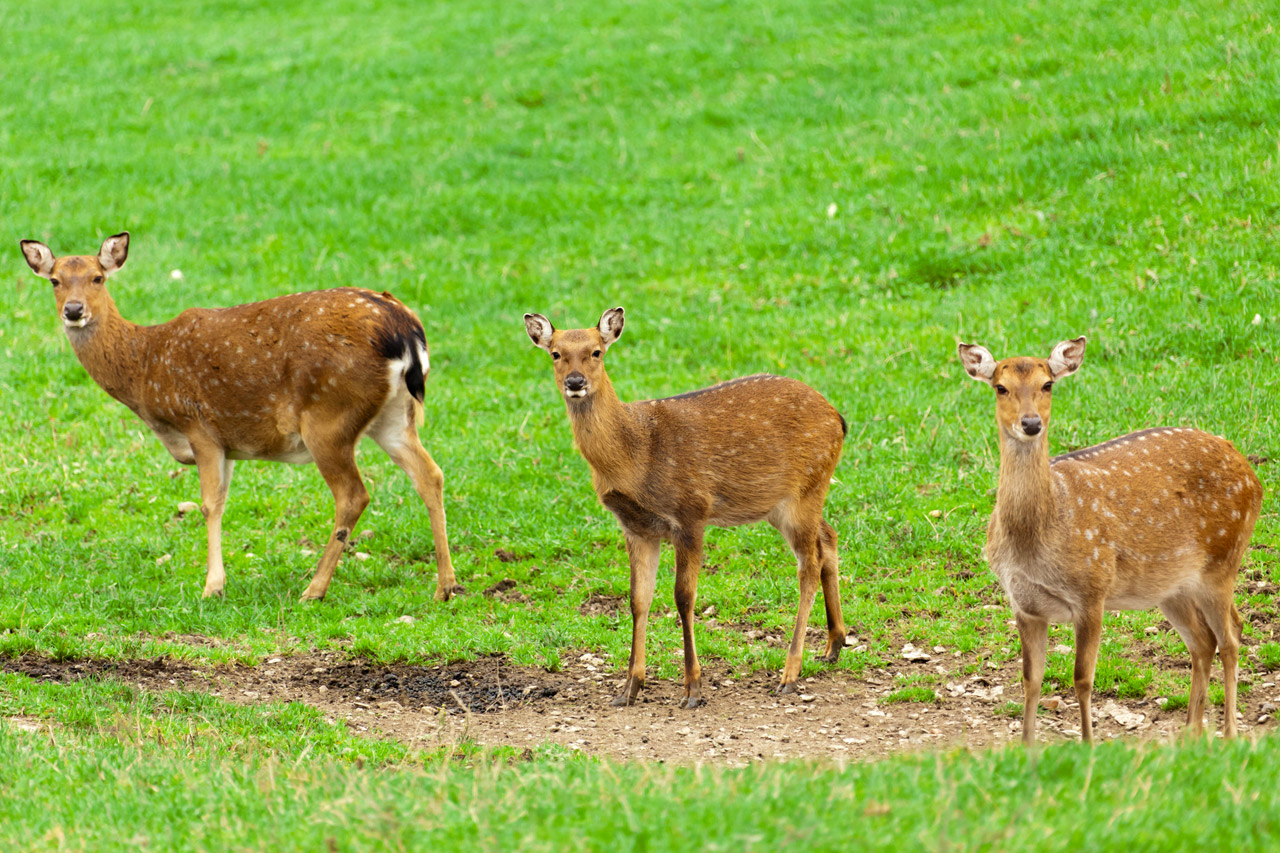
column 212, row 593
column 786, row 689
column 622, row 700
column 831, row 656
column 446, row 593
column 688, row 703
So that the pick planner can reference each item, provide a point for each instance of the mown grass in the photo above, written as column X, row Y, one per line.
column 144, row 781
column 835, row 191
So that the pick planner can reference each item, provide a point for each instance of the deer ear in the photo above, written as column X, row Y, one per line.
column 977, row 361
column 610, row 326
column 540, row 330
column 38, row 256
column 114, row 252
column 1066, row 358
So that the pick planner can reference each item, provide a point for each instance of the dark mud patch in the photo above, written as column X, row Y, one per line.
column 483, row 686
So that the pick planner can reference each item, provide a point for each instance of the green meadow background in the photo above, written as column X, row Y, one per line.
column 834, row 191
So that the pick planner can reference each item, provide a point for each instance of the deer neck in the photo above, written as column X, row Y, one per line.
column 608, row 436
column 1024, row 496
column 113, row 351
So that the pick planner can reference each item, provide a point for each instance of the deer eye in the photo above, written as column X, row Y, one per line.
column 55, row 282
column 1001, row 390
column 555, row 356
column 595, row 354
column 1048, row 386
column 97, row 279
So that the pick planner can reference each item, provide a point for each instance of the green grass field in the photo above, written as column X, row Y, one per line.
column 837, row 192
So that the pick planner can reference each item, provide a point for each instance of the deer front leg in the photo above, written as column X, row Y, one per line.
column 688, row 563
column 214, row 469
column 1034, row 632
column 1088, row 625
column 643, row 554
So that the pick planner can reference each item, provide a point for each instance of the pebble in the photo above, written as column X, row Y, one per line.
column 911, row 653
column 406, row 619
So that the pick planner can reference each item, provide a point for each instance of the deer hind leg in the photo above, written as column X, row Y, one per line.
column 688, row 563
column 335, row 456
column 214, row 469
column 803, row 539
column 1190, row 624
column 1224, row 621
column 407, row 451
column 1034, row 633
column 831, row 592
column 643, row 553
column 1088, row 625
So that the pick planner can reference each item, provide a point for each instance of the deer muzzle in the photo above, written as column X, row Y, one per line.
column 575, row 385
column 73, row 315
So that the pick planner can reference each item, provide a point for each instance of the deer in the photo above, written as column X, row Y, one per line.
column 298, row 378
column 1156, row 518
column 758, row 447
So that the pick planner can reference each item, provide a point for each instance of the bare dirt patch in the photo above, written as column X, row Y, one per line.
column 834, row 716
column 600, row 604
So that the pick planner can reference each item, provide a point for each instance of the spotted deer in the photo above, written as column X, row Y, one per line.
column 297, row 378
column 1157, row 518
column 760, row 447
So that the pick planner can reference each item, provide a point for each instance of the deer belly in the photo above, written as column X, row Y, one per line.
column 1133, row 601
column 289, row 449
column 1035, row 599
column 174, row 442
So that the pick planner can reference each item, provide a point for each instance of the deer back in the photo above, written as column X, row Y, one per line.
column 743, row 445
column 248, row 375
column 1146, row 513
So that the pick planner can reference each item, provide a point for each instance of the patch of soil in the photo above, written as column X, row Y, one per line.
column 834, row 715
column 599, row 604
column 506, row 590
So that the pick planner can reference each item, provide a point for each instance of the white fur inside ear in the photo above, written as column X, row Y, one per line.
column 114, row 252
column 38, row 256
column 610, row 326
column 1066, row 357
column 539, row 329
column 978, row 362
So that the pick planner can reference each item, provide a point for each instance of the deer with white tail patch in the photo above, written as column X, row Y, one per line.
column 760, row 447
column 298, row 378
column 1157, row 518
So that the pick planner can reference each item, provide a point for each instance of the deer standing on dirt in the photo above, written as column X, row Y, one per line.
column 760, row 447
column 1157, row 518
column 298, row 378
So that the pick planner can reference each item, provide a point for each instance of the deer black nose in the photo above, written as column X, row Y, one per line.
column 575, row 382
column 1031, row 425
column 73, row 310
